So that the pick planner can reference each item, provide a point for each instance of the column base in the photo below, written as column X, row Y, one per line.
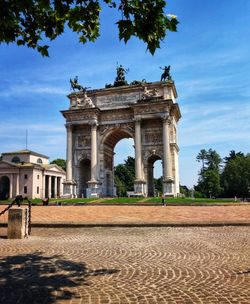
column 139, row 187
column 93, row 189
column 69, row 189
column 168, row 187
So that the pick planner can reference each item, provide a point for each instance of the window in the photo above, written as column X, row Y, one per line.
column 25, row 176
column 16, row 159
column 37, row 190
column 39, row 161
column 38, row 176
column 25, row 189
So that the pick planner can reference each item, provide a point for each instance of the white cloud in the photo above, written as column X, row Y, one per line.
column 23, row 89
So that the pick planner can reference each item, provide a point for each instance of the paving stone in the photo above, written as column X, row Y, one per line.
column 127, row 265
column 138, row 215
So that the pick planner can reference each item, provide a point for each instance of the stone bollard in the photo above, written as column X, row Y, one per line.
column 17, row 223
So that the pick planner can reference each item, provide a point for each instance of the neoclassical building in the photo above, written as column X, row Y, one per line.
column 29, row 174
column 98, row 119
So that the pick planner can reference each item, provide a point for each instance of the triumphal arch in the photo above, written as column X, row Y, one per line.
column 98, row 119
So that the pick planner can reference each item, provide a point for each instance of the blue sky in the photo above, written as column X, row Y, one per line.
column 209, row 58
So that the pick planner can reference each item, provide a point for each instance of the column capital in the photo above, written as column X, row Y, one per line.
column 93, row 123
column 166, row 117
column 137, row 119
column 69, row 126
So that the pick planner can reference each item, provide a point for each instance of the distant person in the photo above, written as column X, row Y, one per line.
column 46, row 201
column 163, row 200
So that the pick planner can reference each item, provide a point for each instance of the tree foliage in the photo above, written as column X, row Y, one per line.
column 30, row 22
column 125, row 176
column 232, row 180
column 236, row 176
column 60, row 162
column 209, row 175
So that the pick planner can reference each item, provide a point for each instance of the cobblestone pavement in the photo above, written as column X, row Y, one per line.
column 137, row 215
column 127, row 265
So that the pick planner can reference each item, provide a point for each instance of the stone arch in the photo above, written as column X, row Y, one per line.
column 150, row 172
column 108, row 142
column 120, row 132
column 4, row 187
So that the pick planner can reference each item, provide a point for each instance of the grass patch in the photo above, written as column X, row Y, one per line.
column 128, row 200
column 121, row 200
column 191, row 200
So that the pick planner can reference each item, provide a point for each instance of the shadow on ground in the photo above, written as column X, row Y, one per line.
column 36, row 278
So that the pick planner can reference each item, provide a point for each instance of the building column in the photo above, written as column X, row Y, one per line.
column 49, row 186
column 167, row 161
column 139, row 184
column 69, row 153
column 59, row 191
column 55, row 186
column 44, row 186
column 17, row 185
column 11, row 185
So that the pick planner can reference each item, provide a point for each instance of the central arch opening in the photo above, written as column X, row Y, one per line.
column 118, row 147
column 4, row 187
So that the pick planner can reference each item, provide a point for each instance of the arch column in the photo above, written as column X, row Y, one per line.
column 139, row 184
column 167, row 161
column 69, row 153
column 93, row 183
column 69, row 184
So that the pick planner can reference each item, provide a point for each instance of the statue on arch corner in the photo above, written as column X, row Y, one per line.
column 166, row 73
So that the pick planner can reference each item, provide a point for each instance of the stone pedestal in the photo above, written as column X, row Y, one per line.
column 93, row 189
column 168, row 187
column 17, row 223
column 69, row 189
column 139, row 187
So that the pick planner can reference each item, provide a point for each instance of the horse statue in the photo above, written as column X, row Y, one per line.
column 75, row 85
column 166, row 73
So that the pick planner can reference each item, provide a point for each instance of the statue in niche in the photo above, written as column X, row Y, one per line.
column 166, row 73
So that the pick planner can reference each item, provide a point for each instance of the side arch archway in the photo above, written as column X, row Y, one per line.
column 150, row 173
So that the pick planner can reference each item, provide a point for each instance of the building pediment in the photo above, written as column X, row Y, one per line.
column 54, row 168
column 7, row 165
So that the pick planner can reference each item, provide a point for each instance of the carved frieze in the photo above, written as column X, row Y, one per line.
column 150, row 108
column 117, row 115
column 83, row 141
column 152, row 136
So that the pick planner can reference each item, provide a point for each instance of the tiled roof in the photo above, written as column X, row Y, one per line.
column 25, row 151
